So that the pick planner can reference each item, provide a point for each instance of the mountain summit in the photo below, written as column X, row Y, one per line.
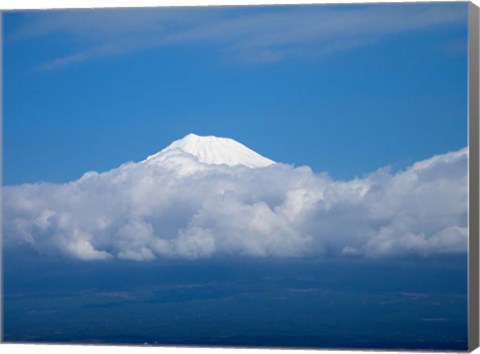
column 211, row 150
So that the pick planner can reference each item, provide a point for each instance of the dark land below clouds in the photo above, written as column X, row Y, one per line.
column 304, row 303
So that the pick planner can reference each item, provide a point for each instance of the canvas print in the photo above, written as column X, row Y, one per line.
column 252, row 176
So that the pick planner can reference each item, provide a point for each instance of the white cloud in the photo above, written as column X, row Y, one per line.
column 147, row 211
column 249, row 35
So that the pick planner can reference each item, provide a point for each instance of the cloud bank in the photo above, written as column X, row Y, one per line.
column 148, row 211
column 261, row 34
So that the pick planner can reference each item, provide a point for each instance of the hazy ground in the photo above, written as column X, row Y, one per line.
column 416, row 304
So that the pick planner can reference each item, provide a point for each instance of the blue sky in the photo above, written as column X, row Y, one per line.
column 343, row 89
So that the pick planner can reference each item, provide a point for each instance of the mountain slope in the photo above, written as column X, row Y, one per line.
column 210, row 150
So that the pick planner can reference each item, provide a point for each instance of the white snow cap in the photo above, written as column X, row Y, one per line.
column 212, row 150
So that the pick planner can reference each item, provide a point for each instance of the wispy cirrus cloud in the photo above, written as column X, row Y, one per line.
column 249, row 35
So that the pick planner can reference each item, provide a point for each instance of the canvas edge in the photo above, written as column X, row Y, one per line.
column 474, row 151
column 1, row 177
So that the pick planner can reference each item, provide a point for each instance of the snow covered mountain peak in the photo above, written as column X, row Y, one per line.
column 212, row 150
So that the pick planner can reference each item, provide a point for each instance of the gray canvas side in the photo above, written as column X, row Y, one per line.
column 473, row 247
column 1, row 180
